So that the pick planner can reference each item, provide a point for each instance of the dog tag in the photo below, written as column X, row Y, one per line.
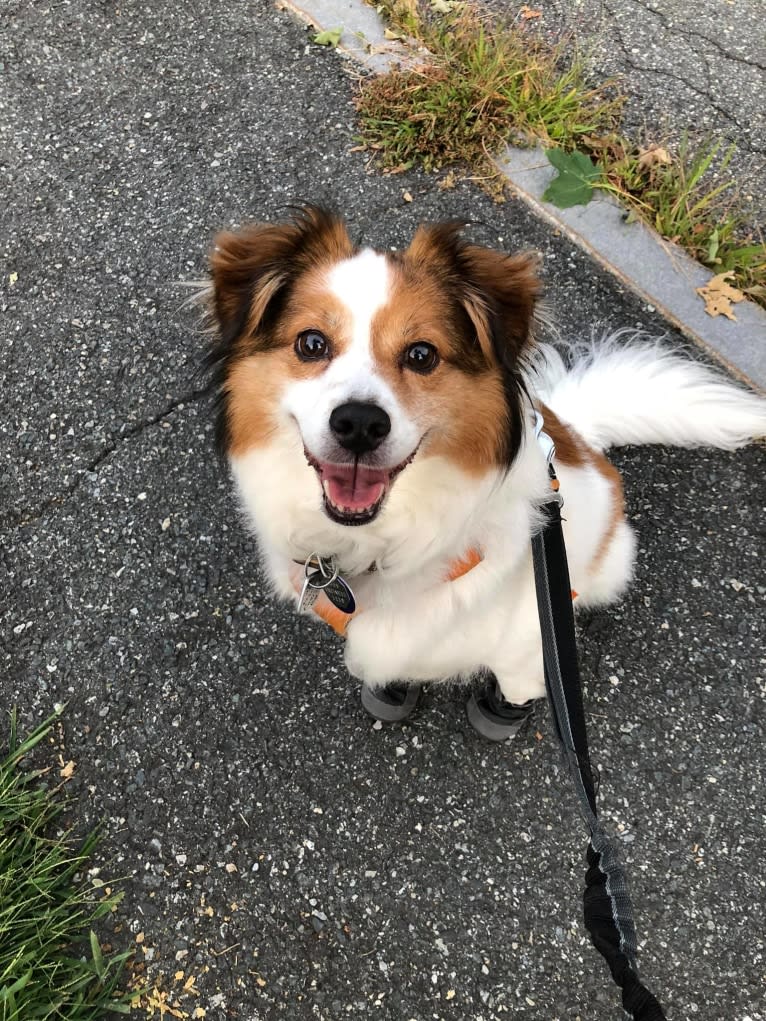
column 308, row 596
column 339, row 593
column 322, row 576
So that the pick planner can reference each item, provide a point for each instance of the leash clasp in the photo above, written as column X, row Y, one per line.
column 548, row 448
column 547, row 445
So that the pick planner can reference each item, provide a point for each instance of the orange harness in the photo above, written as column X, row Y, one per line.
column 339, row 621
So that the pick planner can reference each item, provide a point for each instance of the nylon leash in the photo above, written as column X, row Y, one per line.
column 607, row 910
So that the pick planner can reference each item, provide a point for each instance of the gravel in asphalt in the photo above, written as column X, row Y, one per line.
column 296, row 860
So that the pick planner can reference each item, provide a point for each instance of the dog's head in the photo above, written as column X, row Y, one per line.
column 372, row 358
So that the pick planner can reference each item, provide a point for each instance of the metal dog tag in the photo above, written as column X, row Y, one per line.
column 322, row 576
column 308, row 596
column 339, row 593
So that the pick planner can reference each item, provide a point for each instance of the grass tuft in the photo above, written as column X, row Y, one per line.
column 679, row 199
column 483, row 87
column 487, row 84
column 52, row 966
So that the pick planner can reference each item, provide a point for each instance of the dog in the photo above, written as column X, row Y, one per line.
column 379, row 413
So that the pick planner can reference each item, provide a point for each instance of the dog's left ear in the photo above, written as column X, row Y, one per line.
column 498, row 291
column 500, row 297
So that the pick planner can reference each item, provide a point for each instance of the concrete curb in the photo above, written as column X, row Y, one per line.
column 659, row 272
column 363, row 37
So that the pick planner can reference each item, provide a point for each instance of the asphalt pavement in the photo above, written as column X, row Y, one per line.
column 294, row 859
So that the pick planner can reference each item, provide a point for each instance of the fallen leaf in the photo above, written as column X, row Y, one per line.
column 607, row 144
column 442, row 6
column 406, row 196
column 527, row 13
column 577, row 174
column 331, row 37
column 393, row 35
column 718, row 296
column 67, row 770
column 653, row 156
column 400, row 169
column 231, row 867
column 12, row 278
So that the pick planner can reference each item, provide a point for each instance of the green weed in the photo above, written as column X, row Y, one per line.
column 52, row 966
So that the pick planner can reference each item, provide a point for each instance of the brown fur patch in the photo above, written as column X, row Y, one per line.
column 572, row 450
column 251, row 266
column 498, row 291
column 254, row 272
column 475, row 306
column 255, row 382
column 461, row 404
column 613, row 477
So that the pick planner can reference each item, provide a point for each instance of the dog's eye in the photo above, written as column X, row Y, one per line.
column 311, row 345
column 421, row 357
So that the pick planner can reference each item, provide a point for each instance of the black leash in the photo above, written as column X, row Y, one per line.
column 608, row 913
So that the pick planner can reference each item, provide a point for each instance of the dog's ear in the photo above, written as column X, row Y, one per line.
column 251, row 267
column 500, row 299
column 498, row 291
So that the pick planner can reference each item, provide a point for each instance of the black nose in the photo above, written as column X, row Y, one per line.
column 360, row 427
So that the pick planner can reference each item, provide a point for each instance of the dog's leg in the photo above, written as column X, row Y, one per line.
column 493, row 716
column 499, row 709
column 391, row 703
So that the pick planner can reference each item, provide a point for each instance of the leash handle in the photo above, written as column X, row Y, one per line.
column 607, row 909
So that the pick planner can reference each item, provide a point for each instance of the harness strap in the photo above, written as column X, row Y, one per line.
column 339, row 621
column 608, row 913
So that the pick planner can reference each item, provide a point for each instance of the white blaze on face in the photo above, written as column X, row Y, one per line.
column 363, row 285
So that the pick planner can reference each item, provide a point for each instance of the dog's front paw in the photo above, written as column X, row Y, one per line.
column 374, row 653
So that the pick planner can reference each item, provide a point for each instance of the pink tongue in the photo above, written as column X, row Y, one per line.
column 355, row 490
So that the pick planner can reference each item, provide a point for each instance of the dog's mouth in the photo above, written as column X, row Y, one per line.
column 354, row 493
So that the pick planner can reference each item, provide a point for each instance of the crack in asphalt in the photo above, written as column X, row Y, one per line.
column 685, row 31
column 28, row 516
column 727, row 114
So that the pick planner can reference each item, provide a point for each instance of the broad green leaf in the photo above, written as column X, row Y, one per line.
column 329, row 38
column 577, row 176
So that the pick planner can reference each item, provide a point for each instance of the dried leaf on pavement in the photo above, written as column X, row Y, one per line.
column 653, row 156
column 719, row 295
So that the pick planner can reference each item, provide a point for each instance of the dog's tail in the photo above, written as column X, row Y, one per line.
column 623, row 389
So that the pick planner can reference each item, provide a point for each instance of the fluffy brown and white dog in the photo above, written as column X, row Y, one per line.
column 379, row 408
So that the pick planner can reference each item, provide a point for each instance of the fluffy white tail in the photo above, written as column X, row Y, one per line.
column 623, row 389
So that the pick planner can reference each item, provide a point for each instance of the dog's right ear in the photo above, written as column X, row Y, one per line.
column 252, row 267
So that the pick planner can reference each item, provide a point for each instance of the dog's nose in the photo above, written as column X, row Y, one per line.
column 360, row 427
